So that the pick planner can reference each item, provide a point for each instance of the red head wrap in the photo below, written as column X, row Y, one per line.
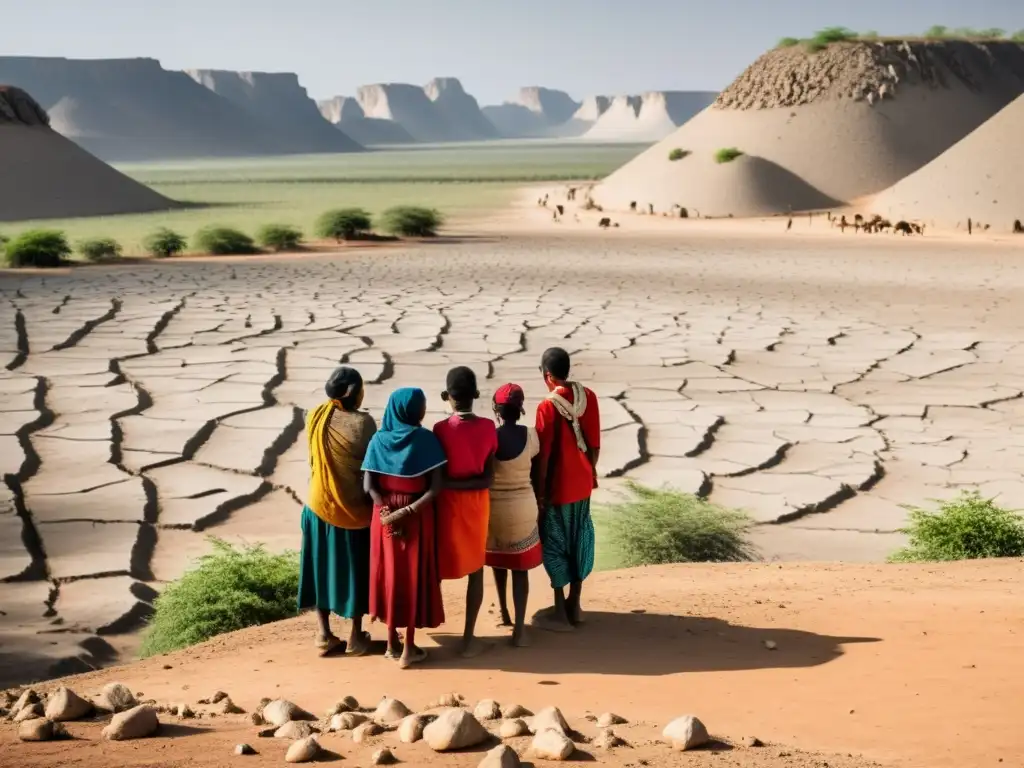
column 509, row 394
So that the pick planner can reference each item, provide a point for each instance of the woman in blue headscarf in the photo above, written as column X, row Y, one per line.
column 403, row 475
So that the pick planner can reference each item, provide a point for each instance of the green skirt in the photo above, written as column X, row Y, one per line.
column 567, row 541
column 334, row 572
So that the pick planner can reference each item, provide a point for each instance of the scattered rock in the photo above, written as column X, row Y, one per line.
column 511, row 728
column 40, row 729
column 244, row 749
column 391, row 711
column 31, row 712
column 609, row 719
column 608, row 739
column 410, row 730
column 346, row 721
column 116, row 697
column 65, row 705
column 303, row 751
column 382, row 757
column 512, row 711
column 256, row 718
column 487, row 709
column 771, row 645
column 502, row 756
column 753, row 741
column 280, row 711
column 217, row 697
column 686, row 732
column 550, row 718
column 182, row 710
column 552, row 744
column 267, row 733
column 294, row 730
column 454, row 729
column 450, row 700
column 347, row 704
column 366, row 731
column 26, row 698
column 228, row 707
column 136, row 723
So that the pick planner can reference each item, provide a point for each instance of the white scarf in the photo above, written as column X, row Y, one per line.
column 573, row 411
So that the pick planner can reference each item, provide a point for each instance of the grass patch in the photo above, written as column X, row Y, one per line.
column 659, row 527
column 279, row 237
column 164, row 243
column 229, row 590
column 411, row 221
column 678, row 154
column 37, row 248
column 344, row 224
column 727, row 155
column 223, row 241
column 99, row 248
column 788, row 42
column 968, row 527
column 830, row 35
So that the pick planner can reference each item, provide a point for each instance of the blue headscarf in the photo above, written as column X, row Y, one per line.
column 402, row 448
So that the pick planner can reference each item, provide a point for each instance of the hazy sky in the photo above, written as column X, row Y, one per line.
column 493, row 46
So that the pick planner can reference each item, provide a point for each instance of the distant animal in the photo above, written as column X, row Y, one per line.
column 683, row 213
column 918, row 228
column 843, row 223
column 986, row 227
column 632, row 206
column 650, row 208
column 903, row 227
column 1018, row 228
column 970, row 226
column 830, row 217
column 572, row 193
column 858, row 222
column 789, row 225
column 604, row 223
column 560, row 209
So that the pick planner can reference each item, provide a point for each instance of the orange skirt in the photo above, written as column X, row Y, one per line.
column 462, row 518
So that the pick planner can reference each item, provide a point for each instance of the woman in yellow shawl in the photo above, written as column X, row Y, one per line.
column 335, row 562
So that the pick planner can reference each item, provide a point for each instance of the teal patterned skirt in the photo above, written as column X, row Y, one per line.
column 567, row 540
column 334, row 570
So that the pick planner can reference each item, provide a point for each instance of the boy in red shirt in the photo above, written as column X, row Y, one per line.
column 569, row 428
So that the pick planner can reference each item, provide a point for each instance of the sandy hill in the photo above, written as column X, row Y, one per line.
column 849, row 121
column 45, row 176
column 133, row 109
column 460, row 110
column 278, row 100
column 648, row 117
column 345, row 113
column 980, row 177
column 535, row 112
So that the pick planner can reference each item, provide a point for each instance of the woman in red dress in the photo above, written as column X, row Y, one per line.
column 403, row 475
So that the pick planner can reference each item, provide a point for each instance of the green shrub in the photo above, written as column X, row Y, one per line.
column 38, row 248
column 412, row 221
column 968, row 527
column 788, row 42
column 344, row 224
column 1018, row 36
column 727, row 155
column 833, row 35
column 163, row 243
column 223, row 241
column 937, row 32
column 658, row 527
column 992, row 33
column 99, row 248
column 230, row 589
column 678, row 154
column 279, row 237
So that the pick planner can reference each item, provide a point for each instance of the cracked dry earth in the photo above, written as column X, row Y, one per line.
column 817, row 386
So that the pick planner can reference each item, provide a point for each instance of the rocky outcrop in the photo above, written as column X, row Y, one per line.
column 345, row 113
column 648, row 117
column 18, row 108
column 555, row 106
column 459, row 110
column 407, row 105
column 278, row 100
column 535, row 112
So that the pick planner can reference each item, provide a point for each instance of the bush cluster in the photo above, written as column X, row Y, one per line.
column 344, row 224
column 37, row 248
column 678, row 154
column 727, row 155
column 279, row 237
column 968, row 527
column 411, row 221
column 164, row 243
column 99, row 248
column 223, row 241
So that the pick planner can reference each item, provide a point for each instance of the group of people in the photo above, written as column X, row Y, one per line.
column 394, row 511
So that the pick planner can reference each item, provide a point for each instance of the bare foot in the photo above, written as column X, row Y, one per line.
column 549, row 621
column 359, row 645
column 520, row 639
column 578, row 617
column 474, row 648
column 505, row 620
column 410, row 657
column 330, row 645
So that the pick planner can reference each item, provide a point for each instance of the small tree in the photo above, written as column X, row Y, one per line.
column 968, row 527
column 937, row 32
column 678, row 154
column 834, row 35
column 727, row 155
column 164, row 243
column 223, row 241
column 412, row 221
column 279, row 237
column 344, row 224
column 99, row 248
column 38, row 248
column 788, row 42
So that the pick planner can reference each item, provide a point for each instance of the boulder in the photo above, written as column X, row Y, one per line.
column 502, row 756
column 391, row 711
column 410, row 730
column 347, row 704
column 487, row 709
column 116, row 697
column 31, row 712
column 366, row 731
column 65, row 705
column 303, row 751
column 510, row 729
column 280, row 711
column 347, row 721
column 41, row 729
column 136, row 723
column 382, row 757
column 549, row 718
column 513, row 711
column 26, row 698
column 294, row 730
column 454, row 729
column 686, row 732
column 552, row 744
column 244, row 749
column 609, row 719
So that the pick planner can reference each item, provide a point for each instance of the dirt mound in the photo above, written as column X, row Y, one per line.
column 279, row 101
column 649, row 117
column 460, row 110
column 842, row 146
column 980, row 177
column 346, row 114
column 45, row 176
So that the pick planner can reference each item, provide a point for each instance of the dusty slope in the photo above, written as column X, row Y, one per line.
column 345, row 113
column 459, row 109
column 980, row 177
column 649, row 117
column 44, row 175
column 867, row 671
column 850, row 121
column 133, row 109
column 278, row 100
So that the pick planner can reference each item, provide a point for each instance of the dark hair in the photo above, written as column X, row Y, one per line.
column 510, row 413
column 555, row 361
column 344, row 385
column 461, row 384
